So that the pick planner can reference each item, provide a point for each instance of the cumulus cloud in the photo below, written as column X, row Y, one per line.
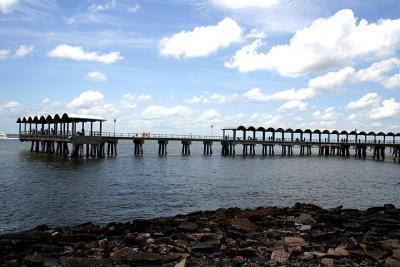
column 202, row 41
column 376, row 73
column 369, row 100
column 4, row 54
column 77, row 53
column 155, row 112
column 86, row 100
column 102, row 7
column 23, row 51
column 331, row 80
column 392, row 82
column 389, row 109
column 214, row 98
column 241, row 4
column 326, row 118
column 293, row 104
column 255, row 34
column 265, row 119
column 6, row 6
column 210, row 114
column 130, row 100
column 96, row 76
column 256, row 95
column 10, row 106
column 326, row 43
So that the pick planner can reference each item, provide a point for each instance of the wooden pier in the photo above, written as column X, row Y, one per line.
column 66, row 135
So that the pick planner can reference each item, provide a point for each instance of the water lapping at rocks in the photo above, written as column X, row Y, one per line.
column 303, row 235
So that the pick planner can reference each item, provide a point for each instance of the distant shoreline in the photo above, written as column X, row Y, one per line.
column 302, row 234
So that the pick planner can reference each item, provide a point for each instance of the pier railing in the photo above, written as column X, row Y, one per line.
column 60, row 136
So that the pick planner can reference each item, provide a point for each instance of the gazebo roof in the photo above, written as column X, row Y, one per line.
column 61, row 119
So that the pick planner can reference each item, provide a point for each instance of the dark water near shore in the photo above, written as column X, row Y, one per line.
column 38, row 188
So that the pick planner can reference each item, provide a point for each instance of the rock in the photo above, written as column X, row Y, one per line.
column 122, row 254
column 83, row 262
column 340, row 251
column 326, row 262
column 389, row 207
column 239, row 260
column 307, row 256
column 182, row 263
column 392, row 262
column 243, row 224
column 187, row 226
column 377, row 254
column 208, row 245
column 242, row 251
column 390, row 244
column 396, row 254
column 304, row 227
column 293, row 241
column 305, row 218
column 279, row 258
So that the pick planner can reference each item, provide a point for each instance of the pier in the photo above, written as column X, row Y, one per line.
column 83, row 136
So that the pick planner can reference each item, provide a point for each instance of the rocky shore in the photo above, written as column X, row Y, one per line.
column 303, row 235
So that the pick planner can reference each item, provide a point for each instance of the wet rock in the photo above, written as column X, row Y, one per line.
column 390, row 244
column 187, row 226
column 243, row 224
column 208, row 245
column 84, row 262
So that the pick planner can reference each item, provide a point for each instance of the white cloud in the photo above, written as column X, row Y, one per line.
column 210, row 114
column 369, row 100
column 331, row 80
column 326, row 43
column 375, row 72
column 86, row 100
column 6, row 6
column 202, row 41
column 155, row 112
column 327, row 115
column 240, row 4
column 214, row 98
column 256, row 95
column 46, row 100
column 10, row 106
column 101, row 7
column 265, row 119
column 293, row 104
column 255, row 34
column 77, row 53
column 135, row 8
column 4, row 54
column 96, row 76
column 23, row 51
column 130, row 100
column 389, row 108
column 392, row 82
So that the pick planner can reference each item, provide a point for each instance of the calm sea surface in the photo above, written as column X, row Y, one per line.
column 38, row 188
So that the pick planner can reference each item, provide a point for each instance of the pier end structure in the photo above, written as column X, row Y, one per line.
column 56, row 134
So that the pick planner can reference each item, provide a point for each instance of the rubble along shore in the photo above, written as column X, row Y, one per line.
column 303, row 235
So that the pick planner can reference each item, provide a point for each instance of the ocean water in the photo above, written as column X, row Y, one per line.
column 38, row 188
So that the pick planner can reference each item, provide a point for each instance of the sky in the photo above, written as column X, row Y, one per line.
column 180, row 66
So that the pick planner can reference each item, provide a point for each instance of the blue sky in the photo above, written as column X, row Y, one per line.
column 181, row 66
